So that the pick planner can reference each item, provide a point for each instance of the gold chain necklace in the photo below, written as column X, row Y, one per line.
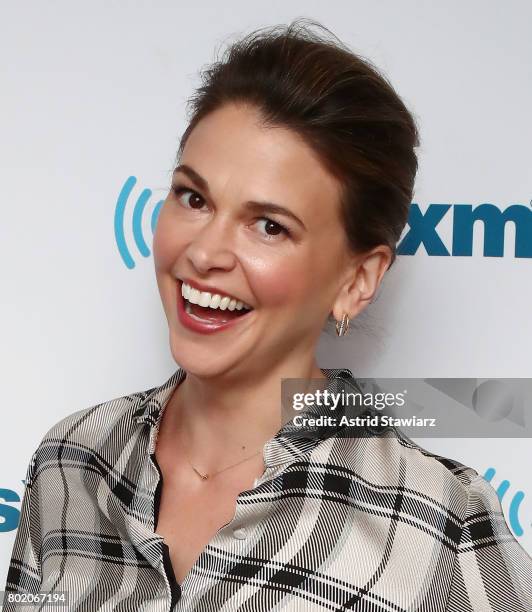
column 207, row 476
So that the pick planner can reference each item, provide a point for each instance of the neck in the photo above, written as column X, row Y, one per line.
column 232, row 416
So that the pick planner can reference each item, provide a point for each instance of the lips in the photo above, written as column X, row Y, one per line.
column 211, row 320
column 212, row 314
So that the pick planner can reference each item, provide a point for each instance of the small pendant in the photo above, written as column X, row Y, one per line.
column 202, row 476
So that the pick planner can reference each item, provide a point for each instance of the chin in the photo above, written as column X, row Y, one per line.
column 200, row 360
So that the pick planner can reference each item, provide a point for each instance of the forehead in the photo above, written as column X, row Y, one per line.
column 236, row 154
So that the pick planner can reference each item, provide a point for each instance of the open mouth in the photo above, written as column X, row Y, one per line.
column 217, row 315
column 204, row 313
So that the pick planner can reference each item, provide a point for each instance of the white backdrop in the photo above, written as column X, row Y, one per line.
column 93, row 93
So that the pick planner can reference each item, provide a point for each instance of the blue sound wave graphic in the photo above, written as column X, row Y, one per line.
column 138, row 212
column 514, row 504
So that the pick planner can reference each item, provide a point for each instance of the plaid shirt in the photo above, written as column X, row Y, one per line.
column 373, row 523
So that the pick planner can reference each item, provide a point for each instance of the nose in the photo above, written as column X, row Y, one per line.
column 211, row 247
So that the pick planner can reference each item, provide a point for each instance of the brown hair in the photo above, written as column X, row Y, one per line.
column 340, row 105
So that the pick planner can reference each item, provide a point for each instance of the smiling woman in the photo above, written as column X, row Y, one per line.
column 291, row 189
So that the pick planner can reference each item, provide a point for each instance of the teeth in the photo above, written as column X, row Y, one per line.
column 211, row 300
column 204, row 299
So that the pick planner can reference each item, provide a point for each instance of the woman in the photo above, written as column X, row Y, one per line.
column 291, row 190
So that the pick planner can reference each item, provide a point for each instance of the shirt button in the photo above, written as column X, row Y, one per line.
column 240, row 534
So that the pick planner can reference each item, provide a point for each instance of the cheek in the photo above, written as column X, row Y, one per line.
column 165, row 249
column 165, row 243
column 281, row 283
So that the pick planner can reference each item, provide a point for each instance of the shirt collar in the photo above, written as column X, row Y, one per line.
column 285, row 445
column 154, row 399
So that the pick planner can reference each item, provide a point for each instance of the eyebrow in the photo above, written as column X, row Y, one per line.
column 252, row 205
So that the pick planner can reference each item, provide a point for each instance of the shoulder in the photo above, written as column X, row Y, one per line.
column 392, row 462
column 447, row 467
column 96, row 419
column 88, row 434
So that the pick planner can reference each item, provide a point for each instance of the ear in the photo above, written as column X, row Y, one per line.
column 363, row 276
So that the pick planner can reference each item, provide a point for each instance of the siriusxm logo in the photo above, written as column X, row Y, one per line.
column 422, row 227
column 513, row 510
column 9, row 515
column 422, row 230
column 138, row 214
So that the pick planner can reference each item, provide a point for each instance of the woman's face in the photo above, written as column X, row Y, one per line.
column 211, row 234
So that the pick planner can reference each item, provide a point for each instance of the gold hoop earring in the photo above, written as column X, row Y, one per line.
column 342, row 326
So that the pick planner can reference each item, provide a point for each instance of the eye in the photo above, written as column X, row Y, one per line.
column 275, row 227
column 179, row 190
column 272, row 228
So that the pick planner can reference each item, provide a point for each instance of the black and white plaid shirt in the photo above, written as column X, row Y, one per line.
column 373, row 523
